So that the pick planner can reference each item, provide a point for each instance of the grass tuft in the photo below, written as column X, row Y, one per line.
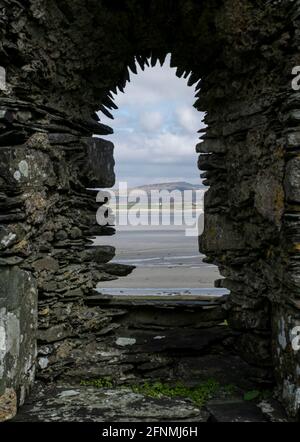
column 199, row 394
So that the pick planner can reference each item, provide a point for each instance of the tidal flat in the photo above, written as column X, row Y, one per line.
column 167, row 262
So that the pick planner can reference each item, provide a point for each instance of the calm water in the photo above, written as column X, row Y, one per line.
column 155, row 248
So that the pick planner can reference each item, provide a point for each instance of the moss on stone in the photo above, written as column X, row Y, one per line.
column 198, row 394
column 98, row 383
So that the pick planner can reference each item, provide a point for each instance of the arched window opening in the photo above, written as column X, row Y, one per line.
column 158, row 199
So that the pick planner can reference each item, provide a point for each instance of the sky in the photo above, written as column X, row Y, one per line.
column 155, row 128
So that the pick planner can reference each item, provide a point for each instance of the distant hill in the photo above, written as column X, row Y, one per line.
column 179, row 185
column 193, row 198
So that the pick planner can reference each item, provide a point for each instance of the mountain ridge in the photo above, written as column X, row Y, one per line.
column 168, row 186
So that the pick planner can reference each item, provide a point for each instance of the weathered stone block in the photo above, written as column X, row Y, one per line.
column 211, row 161
column 18, row 317
column 101, row 162
column 269, row 197
column 20, row 166
column 211, row 145
column 286, row 353
column 292, row 180
column 220, row 233
column 293, row 139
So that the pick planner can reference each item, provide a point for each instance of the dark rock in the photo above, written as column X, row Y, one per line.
column 61, row 138
column 53, row 334
column 48, row 263
column 221, row 234
column 292, row 179
column 118, row 269
column 170, row 340
column 273, row 410
column 211, row 145
column 100, row 162
column 11, row 261
column 234, row 411
column 12, row 138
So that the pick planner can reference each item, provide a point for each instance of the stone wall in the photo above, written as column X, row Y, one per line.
column 63, row 59
column 46, row 215
column 137, row 342
column 18, row 321
column 129, row 342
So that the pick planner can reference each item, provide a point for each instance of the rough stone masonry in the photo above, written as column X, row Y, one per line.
column 60, row 62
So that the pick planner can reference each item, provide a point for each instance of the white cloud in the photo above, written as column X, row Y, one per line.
column 156, row 128
column 151, row 121
column 164, row 147
column 189, row 119
column 153, row 84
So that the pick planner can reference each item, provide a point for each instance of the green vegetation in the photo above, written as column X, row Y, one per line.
column 230, row 389
column 251, row 395
column 98, row 383
column 199, row 394
column 257, row 395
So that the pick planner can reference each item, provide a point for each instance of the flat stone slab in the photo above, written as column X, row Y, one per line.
column 89, row 404
column 235, row 411
column 69, row 403
column 172, row 341
column 158, row 301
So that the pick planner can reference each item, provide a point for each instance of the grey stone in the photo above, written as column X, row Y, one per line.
column 293, row 139
column 235, row 411
column 220, row 233
column 53, row 334
column 48, row 263
column 62, row 138
column 18, row 322
column 292, row 180
column 88, row 404
column 101, row 162
column 273, row 410
column 211, row 145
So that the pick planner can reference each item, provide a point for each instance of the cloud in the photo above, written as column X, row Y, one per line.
column 164, row 147
column 155, row 128
column 151, row 121
column 149, row 86
column 188, row 119
column 164, row 157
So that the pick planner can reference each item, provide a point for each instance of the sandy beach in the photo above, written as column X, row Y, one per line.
column 164, row 259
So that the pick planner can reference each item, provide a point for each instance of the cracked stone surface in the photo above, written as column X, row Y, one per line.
column 89, row 404
column 77, row 403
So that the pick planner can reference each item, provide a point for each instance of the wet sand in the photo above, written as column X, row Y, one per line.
column 163, row 259
column 173, row 277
